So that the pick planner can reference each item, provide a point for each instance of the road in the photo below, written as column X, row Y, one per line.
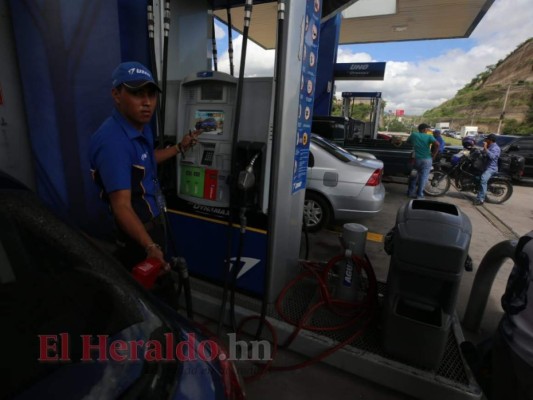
column 491, row 224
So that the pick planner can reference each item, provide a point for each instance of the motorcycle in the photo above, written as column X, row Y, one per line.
column 465, row 172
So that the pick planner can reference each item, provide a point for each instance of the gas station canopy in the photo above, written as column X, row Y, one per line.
column 370, row 21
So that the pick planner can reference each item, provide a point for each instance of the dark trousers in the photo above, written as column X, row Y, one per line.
column 129, row 252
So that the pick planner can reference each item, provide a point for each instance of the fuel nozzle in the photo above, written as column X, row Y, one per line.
column 247, row 177
column 179, row 264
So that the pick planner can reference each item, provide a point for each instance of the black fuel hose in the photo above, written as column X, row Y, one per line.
column 214, row 43
column 166, row 29
column 232, row 179
column 230, row 42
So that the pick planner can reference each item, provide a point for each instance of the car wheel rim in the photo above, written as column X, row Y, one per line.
column 312, row 212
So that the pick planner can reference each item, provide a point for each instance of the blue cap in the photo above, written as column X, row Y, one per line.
column 436, row 132
column 133, row 75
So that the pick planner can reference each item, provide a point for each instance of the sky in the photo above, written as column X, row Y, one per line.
column 419, row 75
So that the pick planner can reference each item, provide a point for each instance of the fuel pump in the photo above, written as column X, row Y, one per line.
column 207, row 102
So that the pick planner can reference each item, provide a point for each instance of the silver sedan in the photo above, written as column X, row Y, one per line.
column 340, row 185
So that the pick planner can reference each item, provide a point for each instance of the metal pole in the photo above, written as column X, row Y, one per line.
column 277, row 115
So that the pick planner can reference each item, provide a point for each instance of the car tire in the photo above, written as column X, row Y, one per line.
column 316, row 212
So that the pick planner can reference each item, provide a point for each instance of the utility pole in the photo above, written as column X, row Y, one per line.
column 509, row 87
column 503, row 109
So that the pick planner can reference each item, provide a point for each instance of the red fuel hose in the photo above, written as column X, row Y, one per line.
column 360, row 314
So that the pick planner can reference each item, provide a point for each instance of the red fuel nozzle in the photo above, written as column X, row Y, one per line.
column 147, row 271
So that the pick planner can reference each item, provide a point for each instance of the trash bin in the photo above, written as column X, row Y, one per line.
column 429, row 246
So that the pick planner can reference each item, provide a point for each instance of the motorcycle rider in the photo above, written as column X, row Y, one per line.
column 469, row 143
column 491, row 151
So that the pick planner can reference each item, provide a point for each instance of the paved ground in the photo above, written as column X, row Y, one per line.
column 492, row 224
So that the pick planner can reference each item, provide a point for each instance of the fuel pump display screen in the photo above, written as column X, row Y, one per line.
column 210, row 121
column 211, row 91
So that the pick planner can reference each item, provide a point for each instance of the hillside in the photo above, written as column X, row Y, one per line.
column 499, row 99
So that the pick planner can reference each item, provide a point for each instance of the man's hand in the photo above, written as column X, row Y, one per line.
column 190, row 139
column 154, row 251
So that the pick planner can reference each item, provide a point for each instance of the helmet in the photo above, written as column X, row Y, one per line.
column 468, row 142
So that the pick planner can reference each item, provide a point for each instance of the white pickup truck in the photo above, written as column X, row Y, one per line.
column 468, row 131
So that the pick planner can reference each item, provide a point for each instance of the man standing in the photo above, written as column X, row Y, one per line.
column 425, row 148
column 438, row 137
column 491, row 151
column 123, row 163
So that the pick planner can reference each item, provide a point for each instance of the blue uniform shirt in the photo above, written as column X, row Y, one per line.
column 122, row 158
column 442, row 144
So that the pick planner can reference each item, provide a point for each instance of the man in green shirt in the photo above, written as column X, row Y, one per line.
column 425, row 148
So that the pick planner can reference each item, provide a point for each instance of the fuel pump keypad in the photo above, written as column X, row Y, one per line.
column 207, row 157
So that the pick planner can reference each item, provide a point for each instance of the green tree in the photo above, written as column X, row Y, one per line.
column 361, row 111
column 397, row 126
column 511, row 127
column 336, row 108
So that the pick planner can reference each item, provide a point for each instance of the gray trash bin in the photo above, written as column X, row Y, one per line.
column 430, row 244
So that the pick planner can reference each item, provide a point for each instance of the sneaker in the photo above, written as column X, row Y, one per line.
column 478, row 202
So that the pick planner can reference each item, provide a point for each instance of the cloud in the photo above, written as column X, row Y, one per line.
column 259, row 62
column 220, row 32
column 419, row 85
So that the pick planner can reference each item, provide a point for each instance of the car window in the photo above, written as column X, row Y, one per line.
column 338, row 131
column 46, row 288
column 331, row 129
column 336, row 151
column 526, row 144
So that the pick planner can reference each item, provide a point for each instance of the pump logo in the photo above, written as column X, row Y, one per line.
column 358, row 67
column 211, row 210
column 132, row 71
column 247, row 264
column 348, row 274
